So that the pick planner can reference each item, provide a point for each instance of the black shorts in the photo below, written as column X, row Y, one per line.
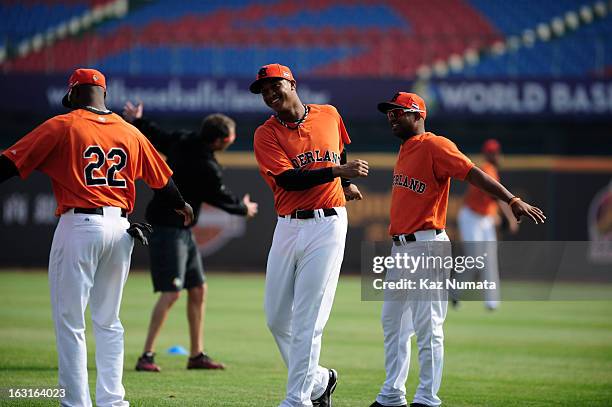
column 175, row 260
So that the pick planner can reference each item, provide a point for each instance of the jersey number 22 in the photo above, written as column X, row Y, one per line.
column 115, row 155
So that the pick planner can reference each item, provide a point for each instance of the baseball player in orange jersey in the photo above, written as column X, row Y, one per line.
column 419, row 199
column 93, row 158
column 301, row 155
column 477, row 219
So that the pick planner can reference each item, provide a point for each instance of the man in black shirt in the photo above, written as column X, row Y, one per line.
column 175, row 260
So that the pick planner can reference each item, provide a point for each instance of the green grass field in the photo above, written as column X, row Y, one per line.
column 525, row 354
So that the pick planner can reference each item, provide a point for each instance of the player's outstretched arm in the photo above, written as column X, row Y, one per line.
column 482, row 181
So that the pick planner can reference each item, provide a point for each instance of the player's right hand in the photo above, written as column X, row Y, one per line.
column 352, row 169
column 252, row 207
column 187, row 213
column 522, row 208
column 131, row 112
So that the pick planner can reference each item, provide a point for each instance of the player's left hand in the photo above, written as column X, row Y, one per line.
column 521, row 208
column 140, row 231
column 351, row 192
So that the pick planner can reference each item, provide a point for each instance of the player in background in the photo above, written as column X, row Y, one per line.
column 301, row 155
column 176, row 263
column 477, row 220
column 419, row 198
column 93, row 158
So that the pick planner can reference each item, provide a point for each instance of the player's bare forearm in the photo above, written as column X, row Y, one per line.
column 486, row 183
column 519, row 208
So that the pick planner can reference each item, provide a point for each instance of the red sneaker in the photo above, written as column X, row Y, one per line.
column 146, row 363
column 203, row 361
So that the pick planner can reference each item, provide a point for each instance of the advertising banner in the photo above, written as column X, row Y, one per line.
column 354, row 97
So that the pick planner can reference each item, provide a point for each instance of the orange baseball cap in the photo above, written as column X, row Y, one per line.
column 83, row 76
column 270, row 71
column 404, row 100
column 491, row 146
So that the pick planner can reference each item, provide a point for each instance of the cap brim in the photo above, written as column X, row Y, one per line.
column 256, row 87
column 384, row 107
column 66, row 101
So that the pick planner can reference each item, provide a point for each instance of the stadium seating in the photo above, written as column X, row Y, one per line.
column 512, row 17
column 327, row 38
column 25, row 19
column 585, row 52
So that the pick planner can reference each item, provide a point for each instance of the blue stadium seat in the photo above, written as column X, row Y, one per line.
column 234, row 61
column 21, row 21
column 338, row 17
column 581, row 53
column 512, row 17
column 250, row 33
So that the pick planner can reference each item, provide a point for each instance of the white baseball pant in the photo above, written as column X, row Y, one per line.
column 89, row 263
column 420, row 312
column 301, row 278
column 479, row 233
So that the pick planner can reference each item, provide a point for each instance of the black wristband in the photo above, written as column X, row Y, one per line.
column 343, row 160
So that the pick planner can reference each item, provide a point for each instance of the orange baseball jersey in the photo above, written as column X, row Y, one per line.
column 92, row 159
column 421, row 181
column 316, row 143
column 479, row 201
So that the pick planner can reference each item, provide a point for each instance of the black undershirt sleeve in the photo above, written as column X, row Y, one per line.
column 344, row 181
column 170, row 195
column 7, row 169
column 300, row 180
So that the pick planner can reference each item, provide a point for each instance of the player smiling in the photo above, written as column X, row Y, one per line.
column 418, row 217
column 308, row 245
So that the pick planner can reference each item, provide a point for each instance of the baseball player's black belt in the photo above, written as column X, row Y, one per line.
column 411, row 237
column 96, row 211
column 310, row 213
